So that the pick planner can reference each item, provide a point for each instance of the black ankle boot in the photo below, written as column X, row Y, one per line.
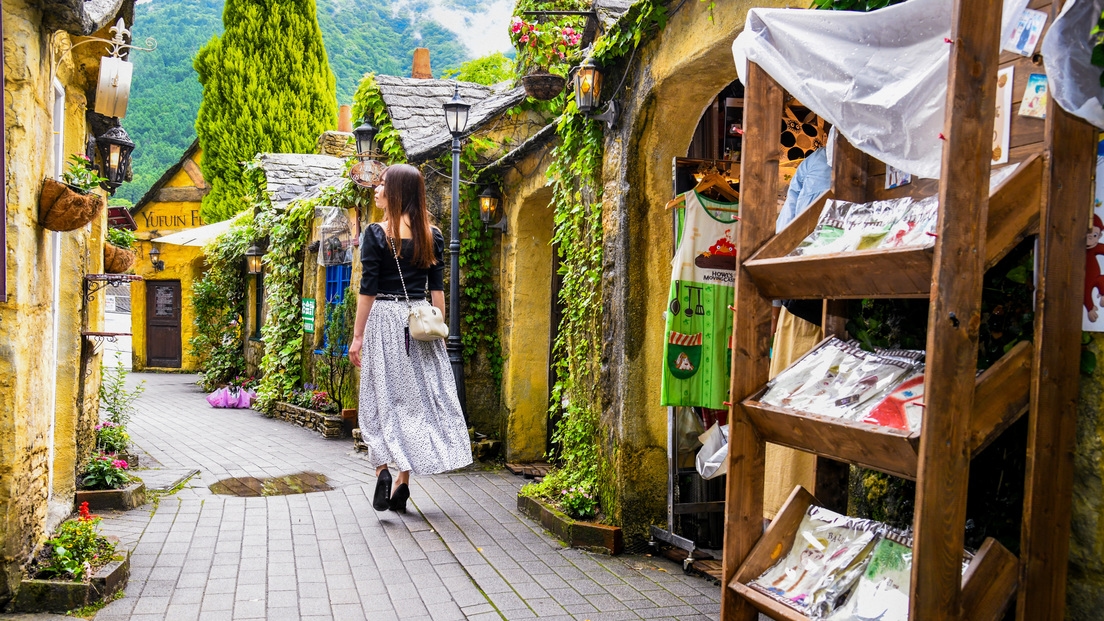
column 398, row 499
column 383, row 491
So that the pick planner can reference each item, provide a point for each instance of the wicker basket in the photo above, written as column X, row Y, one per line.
column 543, row 85
column 117, row 260
column 61, row 207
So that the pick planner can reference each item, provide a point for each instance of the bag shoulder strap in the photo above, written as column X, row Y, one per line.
column 399, row 265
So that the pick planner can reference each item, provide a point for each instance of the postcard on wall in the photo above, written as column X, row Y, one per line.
column 896, row 178
column 1003, row 120
column 1092, row 317
column 1034, row 99
column 1025, row 36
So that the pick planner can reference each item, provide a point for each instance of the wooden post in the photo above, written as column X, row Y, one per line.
column 955, row 312
column 1052, row 417
column 751, row 334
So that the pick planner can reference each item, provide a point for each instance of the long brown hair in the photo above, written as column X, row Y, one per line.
column 404, row 188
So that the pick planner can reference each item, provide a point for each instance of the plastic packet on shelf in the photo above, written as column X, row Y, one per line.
column 916, row 226
column 821, row 565
column 903, row 406
column 862, row 377
column 882, row 591
column 817, row 366
column 829, row 228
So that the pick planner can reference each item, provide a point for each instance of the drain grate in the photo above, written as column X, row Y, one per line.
column 252, row 487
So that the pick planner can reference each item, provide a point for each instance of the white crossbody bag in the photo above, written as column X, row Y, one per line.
column 425, row 323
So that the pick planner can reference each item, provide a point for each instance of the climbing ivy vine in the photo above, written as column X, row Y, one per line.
column 575, row 177
column 368, row 104
column 219, row 302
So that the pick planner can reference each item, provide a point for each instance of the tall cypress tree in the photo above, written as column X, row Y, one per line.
column 267, row 88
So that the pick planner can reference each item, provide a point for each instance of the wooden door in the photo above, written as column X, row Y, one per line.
column 557, row 311
column 163, row 347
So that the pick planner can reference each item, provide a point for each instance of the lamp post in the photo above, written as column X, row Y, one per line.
column 366, row 141
column 456, row 117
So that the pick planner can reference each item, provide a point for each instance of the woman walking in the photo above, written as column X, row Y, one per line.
column 410, row 415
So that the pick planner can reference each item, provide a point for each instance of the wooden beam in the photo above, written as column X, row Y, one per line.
column 195, row 174
column 955, row 313
column 751, row 334
column 990, row 583
column 1052, row 417
column 180, row 195
column 1001, row 397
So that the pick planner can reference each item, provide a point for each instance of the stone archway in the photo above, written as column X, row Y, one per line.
column 676, row 80
column 526, row 313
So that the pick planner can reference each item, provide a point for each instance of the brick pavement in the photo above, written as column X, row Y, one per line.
column 463, row 551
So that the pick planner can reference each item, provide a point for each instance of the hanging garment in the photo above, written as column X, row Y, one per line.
column 697, row 340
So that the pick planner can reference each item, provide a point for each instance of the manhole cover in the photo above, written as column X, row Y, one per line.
column 299, row 483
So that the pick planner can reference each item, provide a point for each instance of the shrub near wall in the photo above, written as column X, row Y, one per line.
column 219, row 299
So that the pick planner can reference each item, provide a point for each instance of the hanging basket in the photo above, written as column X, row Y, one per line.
column 117, row 260
column 543, row 85
column 62, row 207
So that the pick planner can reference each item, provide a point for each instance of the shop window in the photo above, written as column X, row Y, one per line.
column 337, row 282
column 258, row 307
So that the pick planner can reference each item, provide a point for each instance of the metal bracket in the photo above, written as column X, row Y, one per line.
column 96, row 282
column 117, row 42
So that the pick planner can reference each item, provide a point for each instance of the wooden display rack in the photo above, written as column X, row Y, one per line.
column 1048, row 196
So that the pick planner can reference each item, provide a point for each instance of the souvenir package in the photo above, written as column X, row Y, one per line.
column 863, row 376
column 827, row 556
column 903, row 406
column 829, row 228
column 882, row 592
column 817, row 366
column 916, row 227
column 847, row 226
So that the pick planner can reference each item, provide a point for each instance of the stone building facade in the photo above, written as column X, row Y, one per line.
column 49, row 375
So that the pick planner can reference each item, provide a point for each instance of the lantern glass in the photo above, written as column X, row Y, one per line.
column 155, row 259
column 489, row 200
column 365, row 139
column 456, row 114
column 115, row 147
column 588, row 87
column 253, row 259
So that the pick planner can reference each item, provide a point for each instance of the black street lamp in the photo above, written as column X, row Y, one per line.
column 456, row 117
column 115, row 147
column 366, row 140
column 253, row 259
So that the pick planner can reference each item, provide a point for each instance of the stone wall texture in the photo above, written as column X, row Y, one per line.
column 49, row 378
column 1085, row 590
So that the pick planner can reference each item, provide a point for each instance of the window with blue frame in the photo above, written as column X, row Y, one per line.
column 337, row 283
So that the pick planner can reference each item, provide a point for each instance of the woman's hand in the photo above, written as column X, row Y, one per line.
column 354, row 350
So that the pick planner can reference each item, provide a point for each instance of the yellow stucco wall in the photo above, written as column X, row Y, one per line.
column 48, row 405
column 525, row 309
column 184, row 263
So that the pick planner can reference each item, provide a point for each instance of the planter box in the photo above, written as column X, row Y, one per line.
column 575, row 533
column 124, row 499
column 329, row 425
column 63, row 595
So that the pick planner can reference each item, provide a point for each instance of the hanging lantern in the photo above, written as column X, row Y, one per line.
column 456, row 114
column 155, row 259
column 115, row 148
column 490, row 203
column 588, row 86
column 253, row 259
column 366, row 140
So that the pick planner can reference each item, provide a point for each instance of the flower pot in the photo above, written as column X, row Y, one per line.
column 62, row 207
column 122, row 499
column 543, row 85
column 63, row 595
column 117, row 260
column 348, row 421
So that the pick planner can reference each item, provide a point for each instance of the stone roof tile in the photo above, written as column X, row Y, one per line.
column 289, row 175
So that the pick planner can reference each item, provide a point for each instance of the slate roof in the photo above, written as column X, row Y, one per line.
column 289, row 175
column 609, row 11
column 415, row 109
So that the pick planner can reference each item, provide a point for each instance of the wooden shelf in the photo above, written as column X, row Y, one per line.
column 892, row 272
column 987, row 586
column 1000, row 394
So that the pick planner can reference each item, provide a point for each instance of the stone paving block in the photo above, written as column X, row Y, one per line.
column 667, row 612
column 191, row 595
column 182, row 612
column 507, row 601
column 283, row 614
column 151, row 605
column 621, row 615
column 282, row 583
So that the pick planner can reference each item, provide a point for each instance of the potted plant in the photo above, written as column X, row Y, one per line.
column 76, row 567
column 113, row 439
column 69, row 204
column 118, row 256
column 541, row 48
column 106, row 484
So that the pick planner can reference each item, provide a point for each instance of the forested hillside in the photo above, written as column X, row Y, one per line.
column 360, row 36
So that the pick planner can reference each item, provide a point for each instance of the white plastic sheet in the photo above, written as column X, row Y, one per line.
column 712, row 460
column 880, row 78
column 1067, row 49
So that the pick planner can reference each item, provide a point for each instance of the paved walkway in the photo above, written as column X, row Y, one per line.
column 463, row 551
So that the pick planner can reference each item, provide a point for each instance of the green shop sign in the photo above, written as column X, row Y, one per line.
column 308, row 315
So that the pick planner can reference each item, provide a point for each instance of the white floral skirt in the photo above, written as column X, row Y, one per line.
column 409, row 414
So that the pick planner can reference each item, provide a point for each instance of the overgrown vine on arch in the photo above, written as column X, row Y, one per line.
column 575, row 177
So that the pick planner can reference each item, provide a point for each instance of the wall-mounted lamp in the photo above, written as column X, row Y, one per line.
column 588, row 92
column 366, row 141
column 253, row 259
column 490, row 208
column 155, row 259
column 115, row 147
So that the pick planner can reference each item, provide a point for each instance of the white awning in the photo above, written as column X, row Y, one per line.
column 198, row 236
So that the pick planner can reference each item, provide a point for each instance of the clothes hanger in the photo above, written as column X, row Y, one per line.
column 717, row 181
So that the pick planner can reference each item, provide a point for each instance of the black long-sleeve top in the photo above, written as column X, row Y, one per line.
column 380, row 274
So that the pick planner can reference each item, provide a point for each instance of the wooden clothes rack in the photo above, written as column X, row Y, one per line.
column 1049, row 196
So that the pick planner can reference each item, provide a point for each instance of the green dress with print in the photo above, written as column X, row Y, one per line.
column 697, row 341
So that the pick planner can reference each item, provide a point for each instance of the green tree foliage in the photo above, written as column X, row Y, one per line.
column 267, row 88
column 488, row 70
column 360, row 36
